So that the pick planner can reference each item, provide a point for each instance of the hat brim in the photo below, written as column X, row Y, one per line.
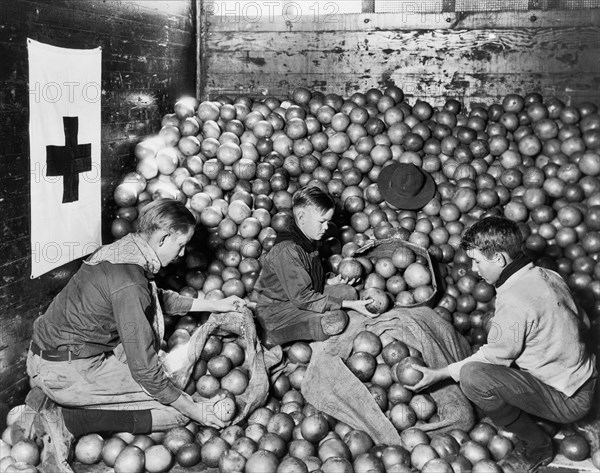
column 392, row 197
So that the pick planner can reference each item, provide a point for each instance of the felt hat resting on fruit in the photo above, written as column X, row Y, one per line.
column 406, row 186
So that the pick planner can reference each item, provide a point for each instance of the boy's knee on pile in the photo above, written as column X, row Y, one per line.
column 334, row 322
column 472, row 378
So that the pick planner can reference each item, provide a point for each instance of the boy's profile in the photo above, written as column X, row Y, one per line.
column 293, row 301
column 535, row 362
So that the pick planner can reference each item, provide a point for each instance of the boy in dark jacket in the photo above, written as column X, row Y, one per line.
column 94, row 361
column 292, row 300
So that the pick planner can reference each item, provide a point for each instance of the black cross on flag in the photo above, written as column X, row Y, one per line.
column 70, row 160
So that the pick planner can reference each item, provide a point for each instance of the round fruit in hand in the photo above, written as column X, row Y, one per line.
column 381, row 301
column 225, row 409
column 405, row 372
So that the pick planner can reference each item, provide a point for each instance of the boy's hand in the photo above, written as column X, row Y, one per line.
column 360, row 306
column 336, row 280
column 430, row 377
column 229, row 304
column 205, row 412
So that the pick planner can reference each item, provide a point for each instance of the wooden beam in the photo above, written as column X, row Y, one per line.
column 410, row 20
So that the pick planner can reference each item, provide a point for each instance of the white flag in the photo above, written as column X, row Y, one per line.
column 64, row 137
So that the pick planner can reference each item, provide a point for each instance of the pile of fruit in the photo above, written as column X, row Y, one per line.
column 289, row 435
column 236, row 162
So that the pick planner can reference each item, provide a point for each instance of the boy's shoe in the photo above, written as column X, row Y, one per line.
column 43, row 421
column 526, row 458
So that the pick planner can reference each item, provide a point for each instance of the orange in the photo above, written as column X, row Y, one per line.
column 231, row 461
column 212, row 450
column 300, row 352
column 337, row 465
column 314, row 427
column 422, row 454
column 130, row 460
column 88, row 449
column 111, row 449
column 359, row 442
column 26, row 451
column 143, row 442
column 292, row 465
column 236, row 381
column 177, row 437
column 15, row 414
column 385, row 267
column 417, row 274
column 403, row 257
column 367, row 342
column 5, row 462
column 219, row 366
column 262, row 461
column 234, row 352
column 158, row 459
column 20, row 467
column 225, row 409
column 368, row 463
column 189, row 455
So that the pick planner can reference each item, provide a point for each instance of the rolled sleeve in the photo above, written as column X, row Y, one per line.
column 133, row 308
column 174, row 304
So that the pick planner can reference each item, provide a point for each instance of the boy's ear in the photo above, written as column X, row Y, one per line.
column 162, row 237
column 300, row 215
column 501, row 259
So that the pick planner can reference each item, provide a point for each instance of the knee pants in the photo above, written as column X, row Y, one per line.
column 99, row 382
column 284, row 322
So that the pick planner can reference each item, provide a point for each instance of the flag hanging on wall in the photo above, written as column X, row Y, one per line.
column 64, row 138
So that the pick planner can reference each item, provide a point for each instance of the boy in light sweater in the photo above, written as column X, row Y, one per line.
column 535, row 361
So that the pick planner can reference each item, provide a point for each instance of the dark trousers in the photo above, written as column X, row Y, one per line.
column 281, row 323
column 502, row 393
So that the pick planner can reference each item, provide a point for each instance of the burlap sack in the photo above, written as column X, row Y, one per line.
column 331, row 387
column 179, row 363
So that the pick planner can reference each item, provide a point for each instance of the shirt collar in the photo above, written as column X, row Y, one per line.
column 511, row 268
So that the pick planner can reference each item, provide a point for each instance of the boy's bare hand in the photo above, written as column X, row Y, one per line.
column 229, row 304
column 205, row 412
column 430, row 377
column 361, row 306
column 336, row 280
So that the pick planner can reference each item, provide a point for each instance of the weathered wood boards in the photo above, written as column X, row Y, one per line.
column 473, row 56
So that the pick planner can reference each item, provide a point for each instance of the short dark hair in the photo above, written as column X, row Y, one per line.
column 166, row 214
column 313, row 195
column 493, row 235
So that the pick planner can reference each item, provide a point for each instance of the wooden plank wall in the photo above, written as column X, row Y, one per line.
column 474, row 51
column 149, row 55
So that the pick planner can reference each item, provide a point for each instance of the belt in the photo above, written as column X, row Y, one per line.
column 53, row 355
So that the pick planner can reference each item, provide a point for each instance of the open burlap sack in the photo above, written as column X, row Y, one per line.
column 179, row 362
column 331, row 387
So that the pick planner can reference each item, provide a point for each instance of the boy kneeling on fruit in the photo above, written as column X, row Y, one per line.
column 94, row 362
column 535, row 362
column 293, row 300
